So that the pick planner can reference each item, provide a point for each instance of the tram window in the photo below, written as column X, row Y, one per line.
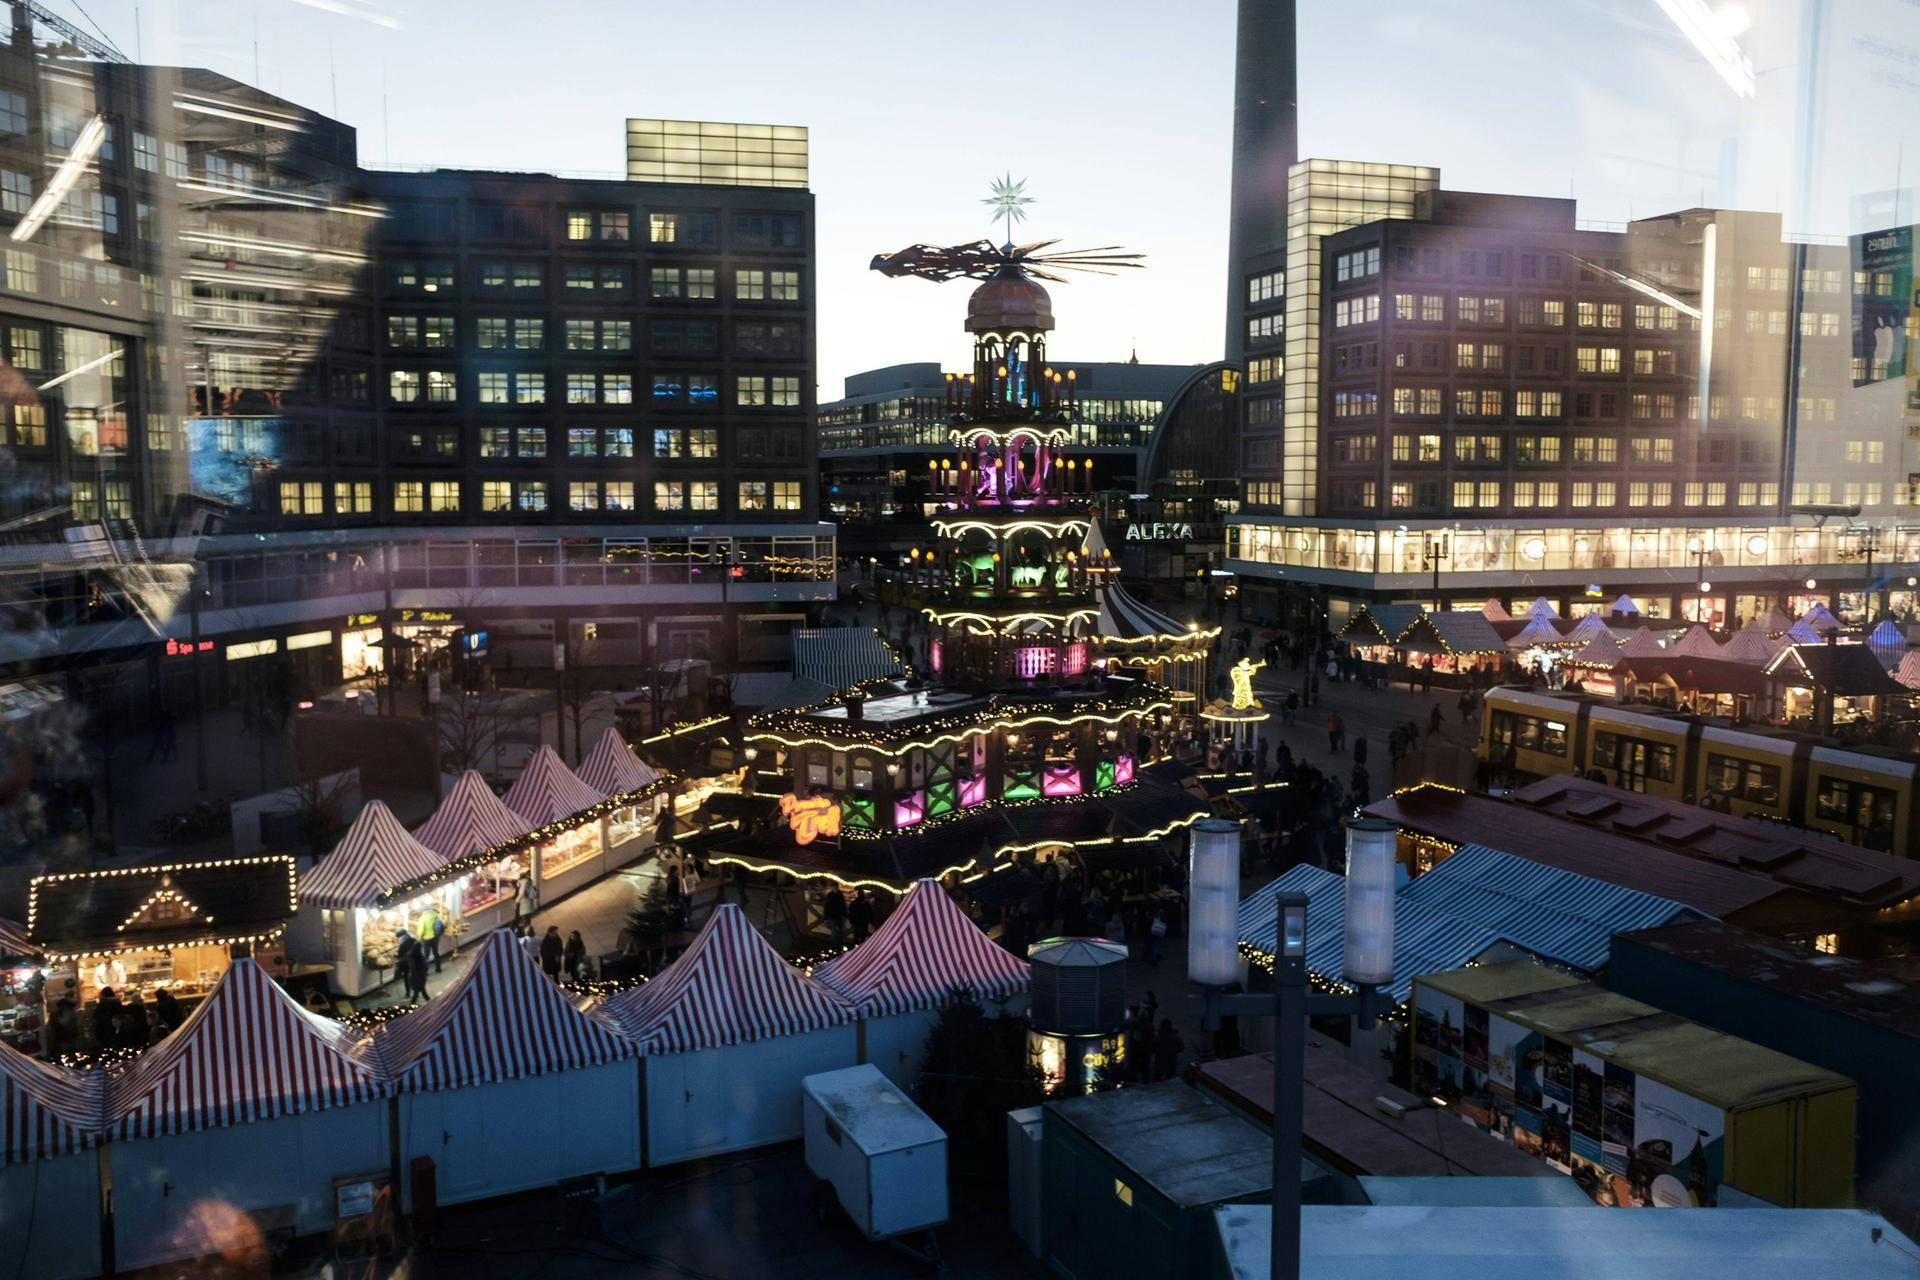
column 1747, row 780
column 1869, row 809
column 1634, row 757
column 1529, row 733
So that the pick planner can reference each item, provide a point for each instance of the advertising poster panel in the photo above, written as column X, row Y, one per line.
column 1678, row 1152
column 1883, row 297
column 1515, row 1057
column 1437, row 1046
column 1556, row 1114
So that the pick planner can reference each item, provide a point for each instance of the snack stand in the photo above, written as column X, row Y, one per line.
column 617, row 773
column 141, row 930
column 22, row 1015
column 466, row 831
column 347, row 892
column 565, row 815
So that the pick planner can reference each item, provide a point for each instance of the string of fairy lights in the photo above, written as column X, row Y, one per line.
column 166, row 892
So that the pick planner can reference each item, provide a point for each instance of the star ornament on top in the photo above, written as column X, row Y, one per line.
column 1009, row 201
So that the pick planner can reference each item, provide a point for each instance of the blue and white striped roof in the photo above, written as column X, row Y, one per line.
column 1125, row 618
column 839, row 657
column 1471, row 902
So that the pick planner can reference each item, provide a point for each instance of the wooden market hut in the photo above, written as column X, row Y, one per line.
column 565, row 814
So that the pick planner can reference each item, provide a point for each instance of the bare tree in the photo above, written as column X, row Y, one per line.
column 472, row 727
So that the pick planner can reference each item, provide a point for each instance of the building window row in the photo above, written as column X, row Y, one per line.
column 528, row 387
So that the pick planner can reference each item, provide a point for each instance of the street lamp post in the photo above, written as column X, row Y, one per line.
column 1367, row 963
column 1433, row 553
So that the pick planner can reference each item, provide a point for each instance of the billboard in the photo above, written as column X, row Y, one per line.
column 224, row 454
column 1627, row 1140
column 1883, row 298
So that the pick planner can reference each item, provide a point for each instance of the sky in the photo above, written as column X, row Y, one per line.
column 1116, row 112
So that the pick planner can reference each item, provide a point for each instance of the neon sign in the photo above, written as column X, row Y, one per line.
column 814, row 816
column 181, row 648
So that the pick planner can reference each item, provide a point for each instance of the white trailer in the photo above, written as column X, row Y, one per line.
column 875, row 1152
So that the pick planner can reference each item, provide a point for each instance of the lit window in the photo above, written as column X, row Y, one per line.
column 443, row 496
column 786, row 495
column 669, row 495
column 496, row 495
column 704, row 495
column 583, row 495
column 409, row 496
column 753, row 495
column 619, row 495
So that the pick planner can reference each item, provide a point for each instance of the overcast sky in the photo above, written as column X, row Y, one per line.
column 1115, row 111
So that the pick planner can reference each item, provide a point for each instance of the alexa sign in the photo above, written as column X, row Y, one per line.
column 1172, row 531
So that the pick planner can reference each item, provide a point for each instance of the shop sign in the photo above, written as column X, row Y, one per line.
column 426, row 615
column 814, row 816
column 252, row 649
column 474, row 644
column 1158, row 531
column 309, row 640
column 362, row 619
column 181, row 648
column 1593, row 592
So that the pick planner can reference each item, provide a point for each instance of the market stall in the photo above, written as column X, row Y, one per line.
column 617, row 773
column 253, row 1105
column 506, row 1085
column 1460, row 648
column 898, row 979
column 49, row 1181
column 565, row 815
column 479, row 841
column 142, row 930
column 342, row 908
column 726, row 1032
column 22, row 1013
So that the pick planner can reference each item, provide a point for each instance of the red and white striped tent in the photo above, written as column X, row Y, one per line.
column 375, row 854
column 248, row 1053
column 470, row 820
column 729, row 987
column 500, row 1020
column 46, row 1110
column 613, row 769
column 548, row 791
column 926, row 948
column 14, row 942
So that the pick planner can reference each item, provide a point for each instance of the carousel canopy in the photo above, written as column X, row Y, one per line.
column 729, row 987
column 1602, row 651
column 1750, row 644
column 614, row 770
column 500, row 1020
column 1887, row 635
column 547, row 791
column 248, row 1052
column 1624, row 606
column 841, row 657
column 1124, row 618
column 1697, row 643
column 470, row 819
column 1821, row 619
column 1494, row 611
column 14, row 942
column 1538, row 631
column 46, row 1110
column 926, row 948
column 1542, row 608
column 1642, row 644
column 375, row 854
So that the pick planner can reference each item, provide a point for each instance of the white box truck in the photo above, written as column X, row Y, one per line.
column 884, row 1160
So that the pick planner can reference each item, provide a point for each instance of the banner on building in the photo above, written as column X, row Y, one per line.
column 1883, row 299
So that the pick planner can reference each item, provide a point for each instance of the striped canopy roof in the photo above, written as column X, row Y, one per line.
column 1124, row 618
column 729, row 987
column 1538, row 631
column 1908, row 672
column 926, row 948
column 1542, row 608
column 374, row 855
column 1602, row 651
column 1494, row 611
column 1623, row 605
column 14, row 942
column 840, row 657
column 1801, row 632
column 547, row 791
column 46, row 1110
column 1589, row 627
column 1642, row 644
column 500, row 1020
column 248, row 1052
column 613, row 770
column 1750, row 644
column 1697, row 643
column 470, row 819
column 1820, row 618
column 1887, row 635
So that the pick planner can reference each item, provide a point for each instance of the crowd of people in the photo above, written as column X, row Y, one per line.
column 127, row 1025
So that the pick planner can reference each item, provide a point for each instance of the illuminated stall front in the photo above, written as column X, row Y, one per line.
column 480, row 842
column 143, row 930
column 358, row 924
column 613, row 770
column 22, row 1013
column 568, row 839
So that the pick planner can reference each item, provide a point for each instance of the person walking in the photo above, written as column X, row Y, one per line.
column 553, row 952
column 430, row 927
column 1167, row 1048
column 834, row 911
column 1360, row 751
column 138, row 1028
column 860, row 916
column 526, row 900
column 1434, row 721
column 1333, row 732
column 403, row 962
column 575, row 957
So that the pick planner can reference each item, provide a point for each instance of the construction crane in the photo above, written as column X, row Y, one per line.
column 94, row 45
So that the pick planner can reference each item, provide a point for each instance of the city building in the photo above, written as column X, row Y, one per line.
column 269, row 409
column 1496, row 392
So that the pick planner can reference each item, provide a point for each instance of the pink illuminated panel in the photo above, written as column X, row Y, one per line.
column 1076, row 660
column 909, row 808
column 1123, row 771
column 973, row 791
column 1062, row 780
column 933, row 655
column 1033, row 661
